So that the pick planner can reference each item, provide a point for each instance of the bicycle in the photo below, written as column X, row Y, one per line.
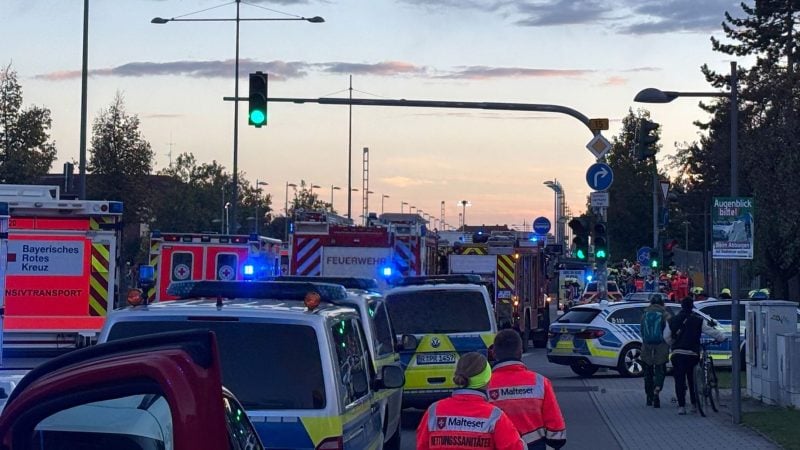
column 706, row 385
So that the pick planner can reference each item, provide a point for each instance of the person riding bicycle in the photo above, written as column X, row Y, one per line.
column 684, row 332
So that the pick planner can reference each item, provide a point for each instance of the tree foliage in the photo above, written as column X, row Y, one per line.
column 26, row 152
column 305, row 198
column 769, row 137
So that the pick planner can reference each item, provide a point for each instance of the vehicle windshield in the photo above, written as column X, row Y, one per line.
column 579, row 315
column 610, row 287
column 267, row 366
column 438, row 311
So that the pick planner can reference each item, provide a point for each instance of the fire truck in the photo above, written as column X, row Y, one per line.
column 389, row 246
column 209, row 256
column 514, row 269
column 60, row 266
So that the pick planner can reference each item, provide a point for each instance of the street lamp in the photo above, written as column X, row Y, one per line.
column 258, row 199
column 334, row 188
column 410, row 208
column 651, row 95
column 383, row 197
column 402, row 207
column 227, row 218
column 559, row 211
column 464, row 204
column 311, row 190
column 161, row 21
column 286, row 211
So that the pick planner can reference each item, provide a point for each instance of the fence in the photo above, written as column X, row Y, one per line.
column 716, row 276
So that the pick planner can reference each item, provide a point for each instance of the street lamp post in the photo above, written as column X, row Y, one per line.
column 652, row 95
column 559, row 210
column 258, row 199
column 238, row 19
column 227, row 218
column 334, row 188
column 464, row 204
column 311, row 190
column 410, row 208
column 286, row 211
column 383, row 197
column 402, row 207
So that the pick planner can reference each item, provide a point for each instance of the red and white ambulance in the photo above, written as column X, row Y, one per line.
column 60, row 266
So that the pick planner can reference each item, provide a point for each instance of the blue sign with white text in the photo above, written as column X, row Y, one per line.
column 541, row 225
column 599, row 176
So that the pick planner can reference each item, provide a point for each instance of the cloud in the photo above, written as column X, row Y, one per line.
column 485, row 72
column 402, row 182
column 664, row 16
column 615, row 81
column 284, row 70
column 562, row 12
column 643, row 69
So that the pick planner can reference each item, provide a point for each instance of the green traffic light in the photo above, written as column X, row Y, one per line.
column 601, row 254
column 654, row 264
column 257, row 117
column 580, row 254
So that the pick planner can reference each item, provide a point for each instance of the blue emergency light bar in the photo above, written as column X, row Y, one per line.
column 267, row 290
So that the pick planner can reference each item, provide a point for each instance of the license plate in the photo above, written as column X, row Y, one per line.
column 565, row 337
column 436, row 358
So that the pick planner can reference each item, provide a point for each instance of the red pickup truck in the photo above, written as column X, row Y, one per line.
column 156, row 392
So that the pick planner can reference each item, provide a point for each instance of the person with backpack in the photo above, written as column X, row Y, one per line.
column 655, row 351
column 683, row 333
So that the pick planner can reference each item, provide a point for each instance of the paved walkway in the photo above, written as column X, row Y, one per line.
column 622, row 403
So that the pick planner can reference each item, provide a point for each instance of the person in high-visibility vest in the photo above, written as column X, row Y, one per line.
column 526, row 396
column 466, row 420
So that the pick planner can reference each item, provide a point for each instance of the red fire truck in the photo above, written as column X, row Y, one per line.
column 207, row 256
column 60, row 264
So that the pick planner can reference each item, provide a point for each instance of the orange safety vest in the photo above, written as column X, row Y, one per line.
column 528, row 399
column 466, row 421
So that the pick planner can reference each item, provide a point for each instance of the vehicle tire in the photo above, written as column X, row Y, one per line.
column 630, row 363
column 394, row 442
column 584, row 369
column 699, row 388
column 713, row 395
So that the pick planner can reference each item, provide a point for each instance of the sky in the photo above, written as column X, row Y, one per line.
column 589, row 55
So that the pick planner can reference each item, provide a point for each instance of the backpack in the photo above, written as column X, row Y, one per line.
column 653, row 327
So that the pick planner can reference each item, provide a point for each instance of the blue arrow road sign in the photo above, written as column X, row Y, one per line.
column 599, row 176
column 643, row 255
column 541, row 225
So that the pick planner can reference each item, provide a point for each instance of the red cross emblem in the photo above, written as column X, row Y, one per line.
column 441, row 422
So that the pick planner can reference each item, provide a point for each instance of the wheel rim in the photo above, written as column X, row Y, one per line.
column 633, row 363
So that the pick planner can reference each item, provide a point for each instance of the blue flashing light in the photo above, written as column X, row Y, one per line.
column 534, row 239
column 248, row 270
column 386, row 271
column 588, row 278
column 115, row 207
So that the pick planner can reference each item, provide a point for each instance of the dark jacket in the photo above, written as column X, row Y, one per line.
column 686, row 331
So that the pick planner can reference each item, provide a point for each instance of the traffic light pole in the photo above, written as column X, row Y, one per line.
column 655, row 206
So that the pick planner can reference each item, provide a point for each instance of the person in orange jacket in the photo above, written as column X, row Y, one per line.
column 466, row 420
column 526, row 396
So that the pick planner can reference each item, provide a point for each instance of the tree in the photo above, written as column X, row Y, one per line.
column 630, row 197
column 769, row 137
column 26, row 152
column 120, row 163
column 308, row 200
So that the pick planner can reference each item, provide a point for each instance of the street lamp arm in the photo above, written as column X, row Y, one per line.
column 317, row 19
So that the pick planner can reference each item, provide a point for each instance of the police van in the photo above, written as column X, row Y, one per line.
column 298, row 361
column 438, row 319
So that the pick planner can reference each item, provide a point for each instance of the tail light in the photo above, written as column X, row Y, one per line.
column 331, row 443
column 590, row 334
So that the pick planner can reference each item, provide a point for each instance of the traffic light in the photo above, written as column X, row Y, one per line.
column 600, row 241
column 654, row 262
column 668, row 252
column 646, row 139
column 581, row 240
column 257, row 115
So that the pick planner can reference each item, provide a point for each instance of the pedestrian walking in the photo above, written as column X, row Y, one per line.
column 526, row 396
column 650, row 284
column 466, row 420
column 684, row 333
column 655, row 350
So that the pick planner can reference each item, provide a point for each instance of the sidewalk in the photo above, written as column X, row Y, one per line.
column 622, row 403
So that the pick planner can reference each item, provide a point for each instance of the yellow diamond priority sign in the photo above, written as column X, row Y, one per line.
column 599, row 146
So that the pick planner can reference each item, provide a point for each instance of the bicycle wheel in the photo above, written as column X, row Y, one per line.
column 699, row 387
column 713, row 386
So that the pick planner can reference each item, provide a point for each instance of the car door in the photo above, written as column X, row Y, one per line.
column 131, row 394
column 385, row 354
column 361, row 419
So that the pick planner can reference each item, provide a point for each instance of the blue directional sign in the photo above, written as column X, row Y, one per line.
column 599, row 176
column 643, row 255
column 541, row 225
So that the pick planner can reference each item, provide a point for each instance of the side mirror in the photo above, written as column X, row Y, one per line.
column 392, row 377
column 408, row 342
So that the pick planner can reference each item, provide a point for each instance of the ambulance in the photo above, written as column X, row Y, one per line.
column 59, row 260
column 208, row 257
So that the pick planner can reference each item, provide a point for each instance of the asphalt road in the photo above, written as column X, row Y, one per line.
column 585, row 425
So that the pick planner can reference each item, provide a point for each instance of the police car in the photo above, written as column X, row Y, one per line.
column 720, row 311
column 597, row 335
column 298, row 361
column 439, row 318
